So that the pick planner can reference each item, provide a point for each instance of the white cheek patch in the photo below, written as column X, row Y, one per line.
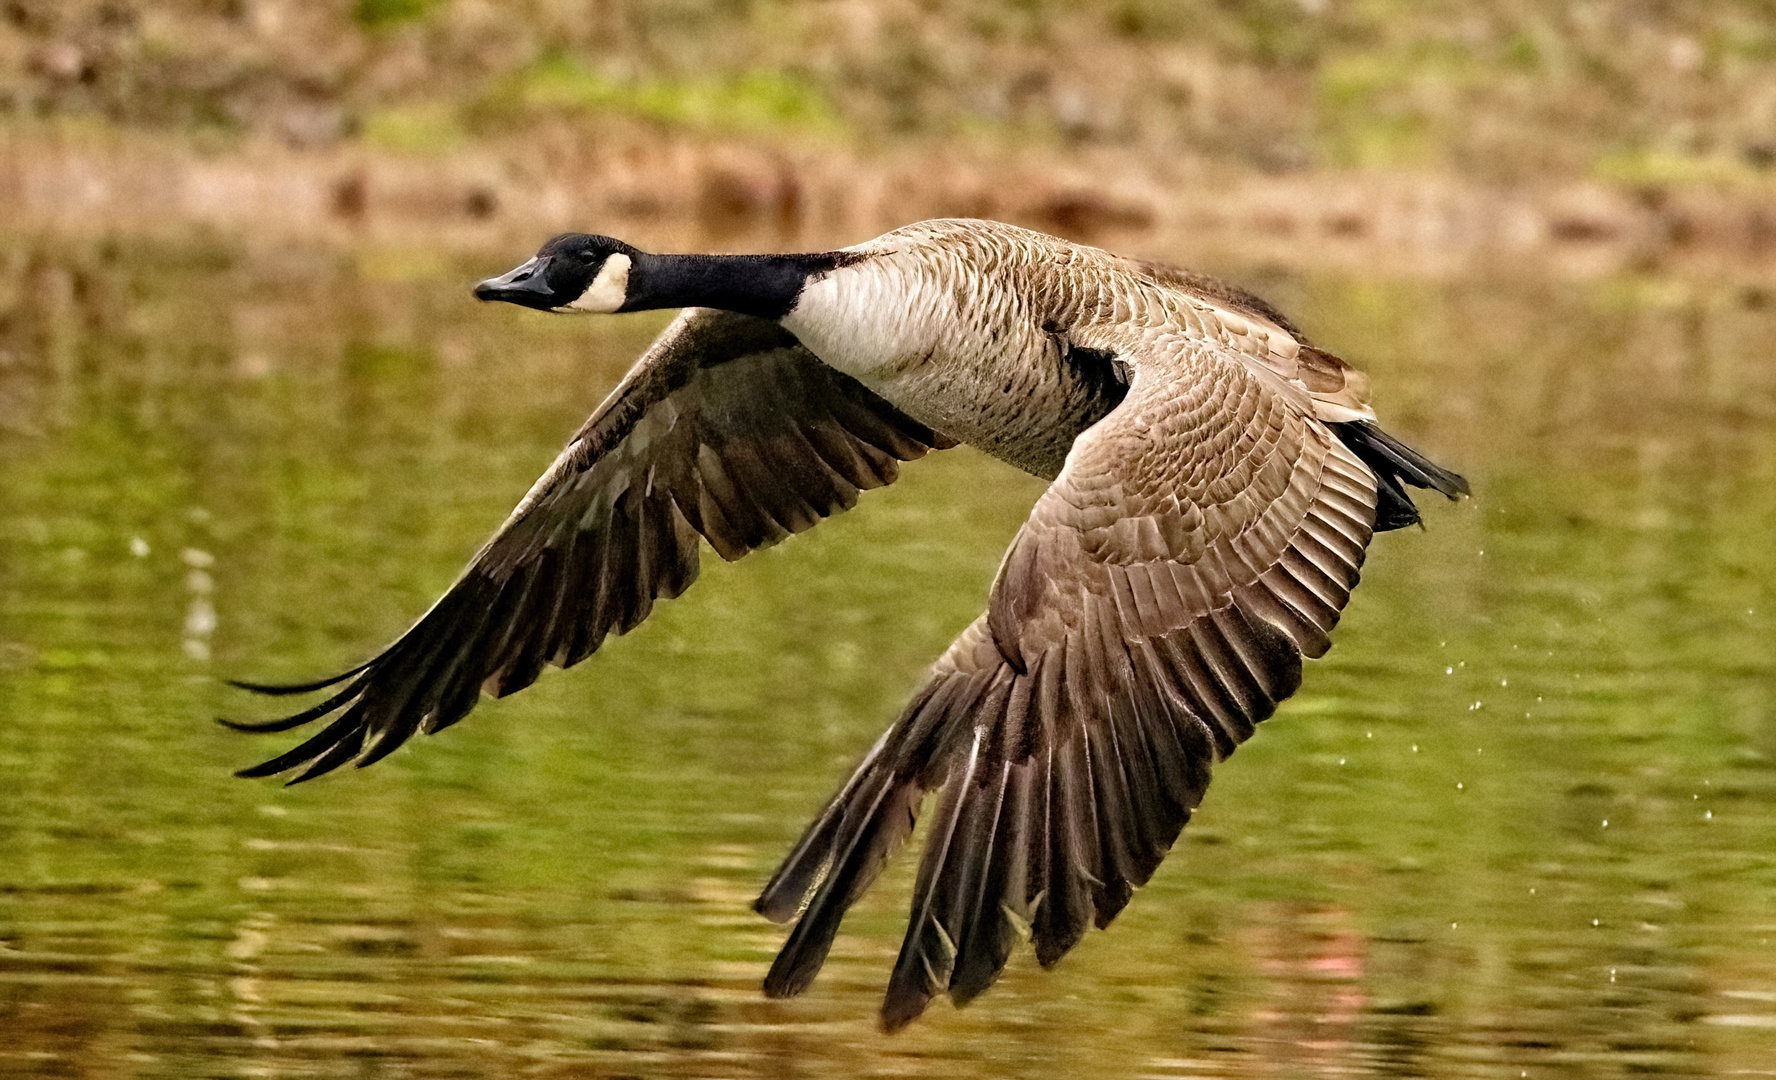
column 608, row 290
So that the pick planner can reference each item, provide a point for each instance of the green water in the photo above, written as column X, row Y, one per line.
column 216, row 463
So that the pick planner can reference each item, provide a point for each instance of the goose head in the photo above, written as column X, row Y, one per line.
column 572, row 272
column 580, row 272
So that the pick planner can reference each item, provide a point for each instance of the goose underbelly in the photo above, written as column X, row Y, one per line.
column 959, row 356
column 1025, row 410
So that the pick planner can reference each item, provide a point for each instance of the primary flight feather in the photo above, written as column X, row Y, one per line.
column 1216, row 481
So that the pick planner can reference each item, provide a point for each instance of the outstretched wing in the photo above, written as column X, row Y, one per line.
column 1339, row 393
column 727, row 427
column 1201, row 540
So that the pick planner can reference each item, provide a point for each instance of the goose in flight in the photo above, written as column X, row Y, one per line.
column 1216, row 480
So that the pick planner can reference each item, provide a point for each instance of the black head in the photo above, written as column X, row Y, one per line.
column 573, row 272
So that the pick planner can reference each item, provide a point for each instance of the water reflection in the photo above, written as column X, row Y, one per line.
column 1407, row 874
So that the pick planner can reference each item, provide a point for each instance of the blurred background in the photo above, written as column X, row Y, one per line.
column 1521, row 821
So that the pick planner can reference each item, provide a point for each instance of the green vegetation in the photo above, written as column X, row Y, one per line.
column 415, row 128
column 740, row 102
column 379, row 14
column 1491, row 89
column 1642, row 166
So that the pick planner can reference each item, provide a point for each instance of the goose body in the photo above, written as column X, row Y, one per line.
column 1217, row 481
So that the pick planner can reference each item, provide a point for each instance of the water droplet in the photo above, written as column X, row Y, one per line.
column 1708, row 815
column 1458, row 785
column 200, row 618
column 1596, row 922
column 1449, row 671
column 1341, row 761
column 1415, row 748
column 139, row 547
column 1606, row 823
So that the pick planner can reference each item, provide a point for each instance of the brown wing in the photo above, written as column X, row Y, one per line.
column 1201, row 540
column 1339, row 391
column 727, row 428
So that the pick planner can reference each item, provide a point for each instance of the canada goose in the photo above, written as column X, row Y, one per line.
column 1216, row 482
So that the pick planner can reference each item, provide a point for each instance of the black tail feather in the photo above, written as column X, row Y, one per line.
column 1393, row 462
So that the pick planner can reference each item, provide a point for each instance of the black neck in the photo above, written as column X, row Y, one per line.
column 762, row 285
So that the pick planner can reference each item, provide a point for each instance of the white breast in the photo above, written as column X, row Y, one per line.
column 874, row 320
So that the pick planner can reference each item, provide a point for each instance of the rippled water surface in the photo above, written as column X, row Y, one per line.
column 1520, row 821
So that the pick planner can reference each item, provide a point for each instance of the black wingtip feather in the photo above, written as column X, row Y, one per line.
column 295, row 720
column 341, row 752
column 899, row 1010
column 263, row 727
column 301, row 755
column 288, row 689
column 864, row 843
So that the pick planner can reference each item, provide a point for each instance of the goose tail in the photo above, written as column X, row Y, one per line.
column 1394, row 463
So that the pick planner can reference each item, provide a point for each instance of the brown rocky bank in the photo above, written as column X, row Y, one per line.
column 670, row 190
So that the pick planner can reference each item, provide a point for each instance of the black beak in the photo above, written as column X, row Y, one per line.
column 528, row 285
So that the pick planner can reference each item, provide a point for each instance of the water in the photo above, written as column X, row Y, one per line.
column 220, row 462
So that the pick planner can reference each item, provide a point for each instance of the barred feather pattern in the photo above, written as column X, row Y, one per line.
column 727, row 430
column 1198, row 544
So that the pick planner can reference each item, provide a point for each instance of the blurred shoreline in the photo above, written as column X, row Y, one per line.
column 671, row 189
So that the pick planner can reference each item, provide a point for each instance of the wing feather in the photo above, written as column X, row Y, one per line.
column 1156, row 607
column 726, row 430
